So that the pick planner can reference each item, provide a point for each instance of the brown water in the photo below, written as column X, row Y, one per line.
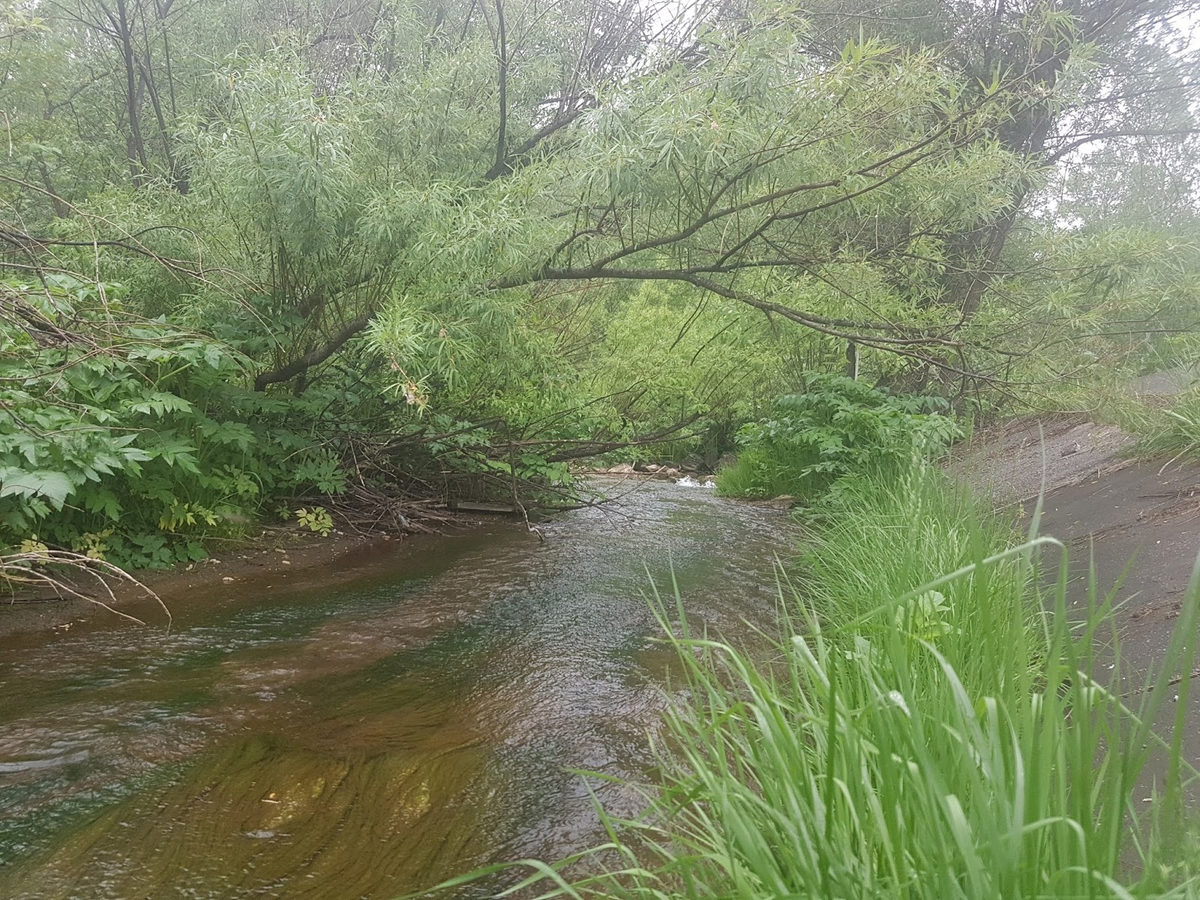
column 370, row 739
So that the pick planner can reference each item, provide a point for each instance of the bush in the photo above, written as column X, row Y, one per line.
column 134, row 441
column 837, row 427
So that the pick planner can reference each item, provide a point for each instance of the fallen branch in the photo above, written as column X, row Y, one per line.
column 49, row 568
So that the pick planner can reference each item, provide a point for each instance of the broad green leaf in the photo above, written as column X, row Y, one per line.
column 55, row 487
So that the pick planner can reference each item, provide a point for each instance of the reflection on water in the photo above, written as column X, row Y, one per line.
column 372, row 739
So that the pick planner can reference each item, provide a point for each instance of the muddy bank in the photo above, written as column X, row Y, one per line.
column 1136, row 521
column 1132, row 524
column 277, row 561
column 1137, row 531
column 1022, row 458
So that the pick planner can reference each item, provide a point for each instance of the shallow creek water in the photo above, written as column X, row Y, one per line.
column 372, row 738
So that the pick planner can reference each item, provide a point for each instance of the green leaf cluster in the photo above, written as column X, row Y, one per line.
column 836, row 428
column 133, row 439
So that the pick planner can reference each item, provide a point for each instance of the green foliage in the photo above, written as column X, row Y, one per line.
column 835, row 428
column 134, row 441
column 316, row 520
column 884, row 534
column 1128, row 310
column 873, row 767
column 1173, row 431
column 486, row 270
column 321, row 468
column 664, row 354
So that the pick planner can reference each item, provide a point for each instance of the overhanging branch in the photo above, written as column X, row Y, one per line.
column 313, row 357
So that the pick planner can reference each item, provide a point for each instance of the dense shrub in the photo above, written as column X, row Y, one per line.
column 837, row 427
column 133, row 440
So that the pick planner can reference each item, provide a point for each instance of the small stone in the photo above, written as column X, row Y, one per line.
column 227, row 579
column 286, row 562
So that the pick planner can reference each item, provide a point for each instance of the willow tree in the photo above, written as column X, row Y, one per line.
column 425, row 197
column 1108, row 133
column 414, row 171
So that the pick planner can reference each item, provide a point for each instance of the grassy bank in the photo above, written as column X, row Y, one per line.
column 926, row 727
column 1172, row 431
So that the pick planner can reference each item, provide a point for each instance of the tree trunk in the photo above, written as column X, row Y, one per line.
column 139, row 165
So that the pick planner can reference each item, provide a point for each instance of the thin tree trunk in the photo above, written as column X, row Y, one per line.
column 137, row 147
column 500, row 166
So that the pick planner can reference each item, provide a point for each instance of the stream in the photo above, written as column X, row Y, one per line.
column 423, row 717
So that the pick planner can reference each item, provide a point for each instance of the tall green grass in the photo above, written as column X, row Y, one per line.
column 928, row 726
column 876, row 564
column 1174, row 431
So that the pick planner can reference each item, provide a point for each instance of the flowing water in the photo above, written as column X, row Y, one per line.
column 375, row 737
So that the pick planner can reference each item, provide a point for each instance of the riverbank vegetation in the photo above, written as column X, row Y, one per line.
column 1172, row 430
column 366, row 259
column 340, row 265
column 931, row 722
column 836, row 428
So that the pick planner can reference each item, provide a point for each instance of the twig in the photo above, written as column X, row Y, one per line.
column 31, row 568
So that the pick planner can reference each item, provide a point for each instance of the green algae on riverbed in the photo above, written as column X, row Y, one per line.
column 267, row 812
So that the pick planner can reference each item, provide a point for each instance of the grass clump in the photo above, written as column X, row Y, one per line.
column 923, row 729
column 1174, row 431
column 878, row 539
